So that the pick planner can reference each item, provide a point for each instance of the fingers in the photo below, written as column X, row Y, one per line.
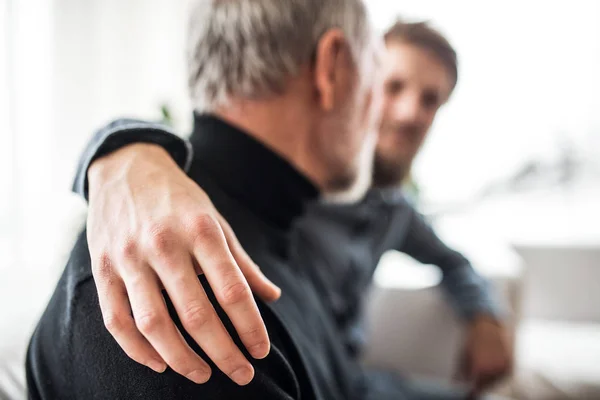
column 119, row 221
column 484, row 381
column 488, row 374
column 229, row 285
column 154, row 322
column 199, row 318
column 116, row 313
column 257, row 281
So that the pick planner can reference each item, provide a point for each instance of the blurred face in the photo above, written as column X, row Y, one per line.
column 346, row 134
column 416, row 85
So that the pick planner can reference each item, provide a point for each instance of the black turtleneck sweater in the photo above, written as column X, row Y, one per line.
column 72, row 355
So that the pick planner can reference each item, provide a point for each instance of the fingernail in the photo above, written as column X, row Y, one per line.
column 157, row 366
column 243, row 376
column 260, row 351
column 199, row 377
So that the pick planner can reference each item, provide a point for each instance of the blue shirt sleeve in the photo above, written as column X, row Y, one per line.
column 123, row 132
column 469, row 292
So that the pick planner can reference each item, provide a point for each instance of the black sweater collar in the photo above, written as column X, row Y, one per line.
column 251, row 172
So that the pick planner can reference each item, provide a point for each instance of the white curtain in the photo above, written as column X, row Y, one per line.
column 26, row 71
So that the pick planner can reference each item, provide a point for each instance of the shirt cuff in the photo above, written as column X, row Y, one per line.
column 124, row 132
column 471, row 294
column 486, row 303
column 490, row 309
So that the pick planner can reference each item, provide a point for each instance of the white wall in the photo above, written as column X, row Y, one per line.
column 528, row 73
column 114, row 58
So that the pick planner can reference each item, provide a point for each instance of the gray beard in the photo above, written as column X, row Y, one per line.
column 361, row 177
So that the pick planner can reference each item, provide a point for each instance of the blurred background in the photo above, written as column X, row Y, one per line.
column 510, row 174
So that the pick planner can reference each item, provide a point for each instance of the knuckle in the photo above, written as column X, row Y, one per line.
column 195, row 316
column 234, row 293
column 229, row 362
column 254, row 337
column 229, row 270
column 114, row 322
column 128, row 249
column 149, row 322
column 254, row 334
column 182, row 365
column 161, row 239
column 102, row 266
column 204, row 225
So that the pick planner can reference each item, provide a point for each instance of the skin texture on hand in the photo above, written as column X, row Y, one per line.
column 150, row 228
column 488, row 356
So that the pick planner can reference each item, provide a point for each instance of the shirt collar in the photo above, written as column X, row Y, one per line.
column 251, row 172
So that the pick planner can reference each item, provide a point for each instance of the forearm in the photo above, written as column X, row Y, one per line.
column 123, row 132
column 469, row 293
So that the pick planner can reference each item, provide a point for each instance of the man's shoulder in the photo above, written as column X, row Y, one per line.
column 78, row 266
column 73, row 350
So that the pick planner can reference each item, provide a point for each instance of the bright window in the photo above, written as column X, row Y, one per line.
column 6, row 142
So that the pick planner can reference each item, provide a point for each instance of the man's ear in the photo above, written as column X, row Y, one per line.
column 331, row 67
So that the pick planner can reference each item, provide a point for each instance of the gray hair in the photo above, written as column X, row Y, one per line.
column 249, row 48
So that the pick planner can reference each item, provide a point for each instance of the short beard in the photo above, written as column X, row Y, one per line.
column 352, row 186
column 387, row 173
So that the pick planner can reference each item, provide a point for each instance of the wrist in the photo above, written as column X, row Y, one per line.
column 485, row 319
column 105, row 167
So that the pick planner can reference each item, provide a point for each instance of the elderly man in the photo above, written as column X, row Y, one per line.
column 283, row 93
